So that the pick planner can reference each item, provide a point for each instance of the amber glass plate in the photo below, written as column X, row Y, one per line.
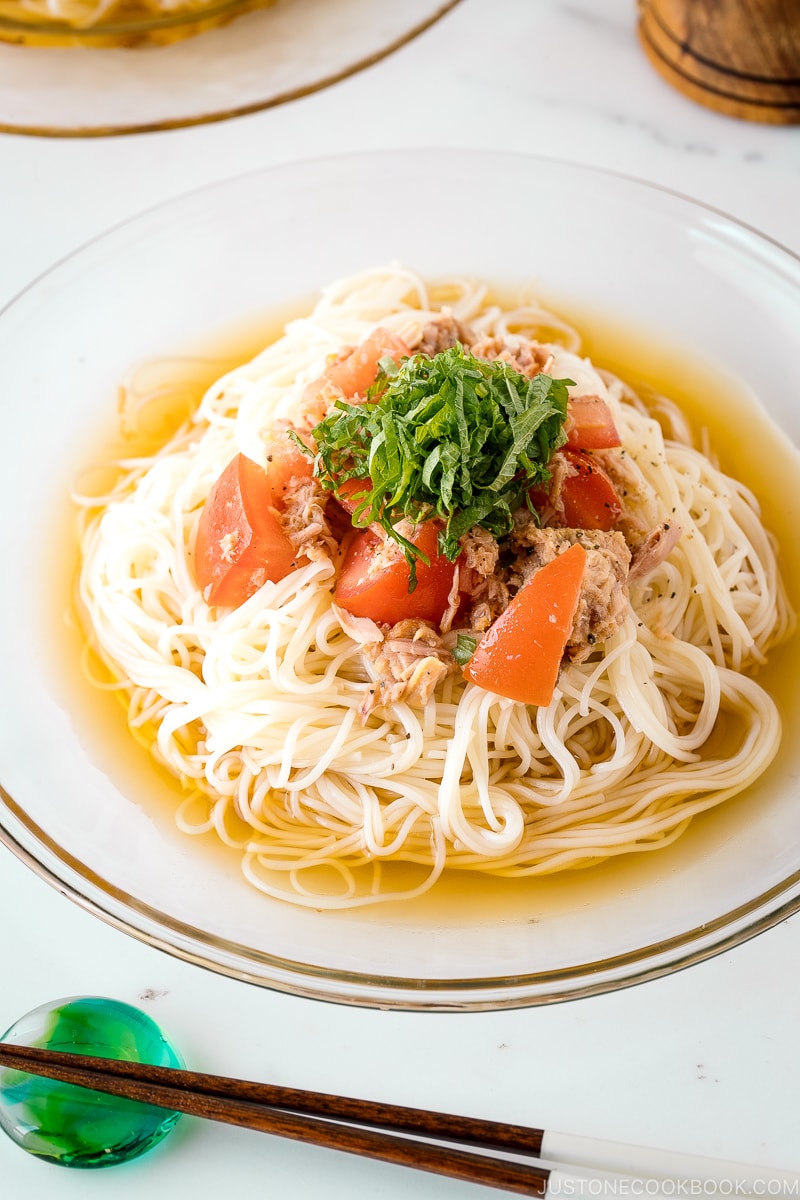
column 143, row 74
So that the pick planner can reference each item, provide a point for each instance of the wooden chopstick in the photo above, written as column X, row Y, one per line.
column 302, row 1116
column 405, row 1136
column 421, row 1122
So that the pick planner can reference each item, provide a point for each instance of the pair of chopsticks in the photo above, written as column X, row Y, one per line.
column 490, row 1153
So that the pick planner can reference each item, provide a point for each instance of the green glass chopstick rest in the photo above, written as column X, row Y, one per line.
column 75, row 1126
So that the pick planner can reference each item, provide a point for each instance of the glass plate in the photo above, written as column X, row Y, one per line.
column 260, row 59
column 86, row 811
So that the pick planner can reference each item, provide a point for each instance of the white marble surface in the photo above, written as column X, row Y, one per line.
column 705, row 1061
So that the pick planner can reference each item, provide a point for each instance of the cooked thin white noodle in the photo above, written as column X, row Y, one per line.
column 257, row 710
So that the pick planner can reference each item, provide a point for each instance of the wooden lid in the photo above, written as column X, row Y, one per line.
column 740, row 57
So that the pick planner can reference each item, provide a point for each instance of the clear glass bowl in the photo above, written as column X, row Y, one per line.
column 82, row 808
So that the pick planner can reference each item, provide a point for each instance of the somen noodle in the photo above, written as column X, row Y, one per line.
column 266, row 711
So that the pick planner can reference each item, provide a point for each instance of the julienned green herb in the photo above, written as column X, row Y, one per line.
column 464, row 648
column 454, row 437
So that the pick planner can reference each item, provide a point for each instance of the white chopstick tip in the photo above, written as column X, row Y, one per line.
column 588, row 1167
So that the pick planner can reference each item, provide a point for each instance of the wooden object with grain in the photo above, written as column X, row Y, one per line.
column 740, row 57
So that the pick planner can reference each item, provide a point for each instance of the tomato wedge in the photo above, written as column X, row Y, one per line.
column 590, row 425
column 240, row 541
column 357, row 371
column 375, row 577
column 343, row 504
column 590, row 498
column 520, row 654
column 286, row 465
column 351, row 493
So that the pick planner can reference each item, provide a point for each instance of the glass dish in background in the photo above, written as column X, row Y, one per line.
column 84, row 807
column 102, row 81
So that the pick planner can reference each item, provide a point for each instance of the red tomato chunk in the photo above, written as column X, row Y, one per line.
column 240, row 540
column 375, row 578
column 590, row 498
column 520, row 655
column 590, row 425
column 358, row 370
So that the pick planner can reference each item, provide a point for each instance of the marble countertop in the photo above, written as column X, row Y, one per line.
column 703, row 1061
